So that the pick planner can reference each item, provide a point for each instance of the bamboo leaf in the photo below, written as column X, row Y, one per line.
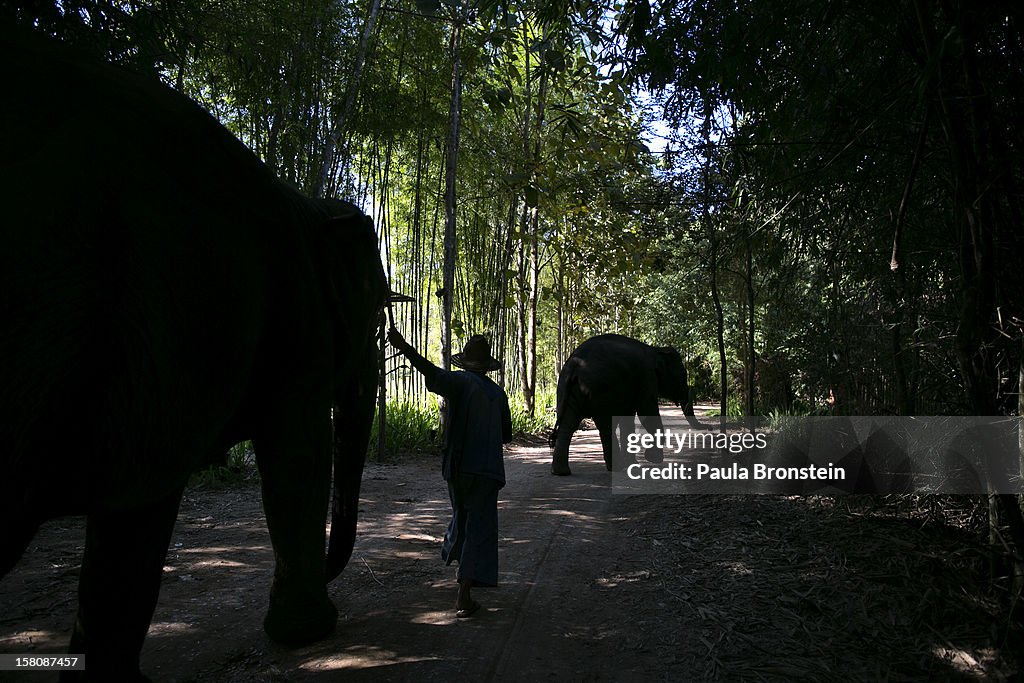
column 429, row 7
column 531, row 195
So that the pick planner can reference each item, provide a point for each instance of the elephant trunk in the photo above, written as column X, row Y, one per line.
column 691, row 417
column 353, row 422
column 344, row 515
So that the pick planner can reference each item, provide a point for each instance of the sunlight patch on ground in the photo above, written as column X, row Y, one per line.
column 407, row 554
column 400, row 520
column 419, row 537
column 161, row 629
column 533, row 451
column 517, row 541
column 212, row 563
column 435, row 618
column 412, row 532
column 31, row 639
column 221, row 550
column 617, row 579
column 366, row 659
column 962, row 661
column 549, row 512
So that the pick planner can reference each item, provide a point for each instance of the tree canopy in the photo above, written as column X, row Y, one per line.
column 810, row 199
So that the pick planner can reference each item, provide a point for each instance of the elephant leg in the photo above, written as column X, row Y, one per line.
column 294, row 460
column 568, row 421
column 606, row 428
column 620, row 460
column 650, row 418
column 118, row 587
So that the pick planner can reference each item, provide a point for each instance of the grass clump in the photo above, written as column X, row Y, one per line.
column 409, row 426
column 543, row 419
column 239, row 467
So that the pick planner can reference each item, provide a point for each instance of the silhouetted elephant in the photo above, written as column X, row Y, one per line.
column 165, row 297
column 611, row 375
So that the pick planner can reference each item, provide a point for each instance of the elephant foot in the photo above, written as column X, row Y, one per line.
column 618, row 464
column 655, row 455
column 560, row 470
column 296, row 625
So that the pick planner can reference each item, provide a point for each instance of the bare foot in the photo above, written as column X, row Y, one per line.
column 468, row 610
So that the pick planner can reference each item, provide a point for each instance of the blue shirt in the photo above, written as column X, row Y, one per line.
column 479, row 422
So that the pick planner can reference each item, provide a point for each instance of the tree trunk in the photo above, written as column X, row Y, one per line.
column 523, row 297
column 417, row 323
column 560, row 350
column 720, row 320
column 715, row 297
column 448, row 278
column 504, row 296
column 964, row 108
column 522, row 336
column 331, row 144
column 382, row 390
column 751, row 369
column 900, row 352
column 530, row 381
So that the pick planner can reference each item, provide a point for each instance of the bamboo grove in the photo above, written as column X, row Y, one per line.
column 819, row 205
column 484, row 213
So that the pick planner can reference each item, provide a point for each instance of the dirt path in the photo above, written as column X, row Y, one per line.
column 595, row 587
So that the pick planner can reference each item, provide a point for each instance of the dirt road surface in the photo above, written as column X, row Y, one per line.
column 594, row 587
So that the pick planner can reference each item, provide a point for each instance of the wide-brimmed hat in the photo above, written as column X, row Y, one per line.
column 476, row 355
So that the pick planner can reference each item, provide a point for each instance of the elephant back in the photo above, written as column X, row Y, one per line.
column 616, row 368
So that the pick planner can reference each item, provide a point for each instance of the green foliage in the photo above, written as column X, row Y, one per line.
column 801, row 135
column 828, row 167
column 543, row 419
column 733, row 408
column 411, row 426
column 779, row 418
column 238, row 468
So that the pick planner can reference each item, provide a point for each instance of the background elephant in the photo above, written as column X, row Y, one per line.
column 165, row 297
column 611, row 375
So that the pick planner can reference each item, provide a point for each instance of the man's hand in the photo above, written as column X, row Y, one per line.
column 396, row 339
column 421, row 364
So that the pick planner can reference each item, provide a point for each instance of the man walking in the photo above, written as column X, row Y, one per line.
column 479, row 422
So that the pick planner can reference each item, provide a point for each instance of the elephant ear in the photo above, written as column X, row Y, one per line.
column 666, row 357
column 352, row 278
column 355, row 289
column 672, row 381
